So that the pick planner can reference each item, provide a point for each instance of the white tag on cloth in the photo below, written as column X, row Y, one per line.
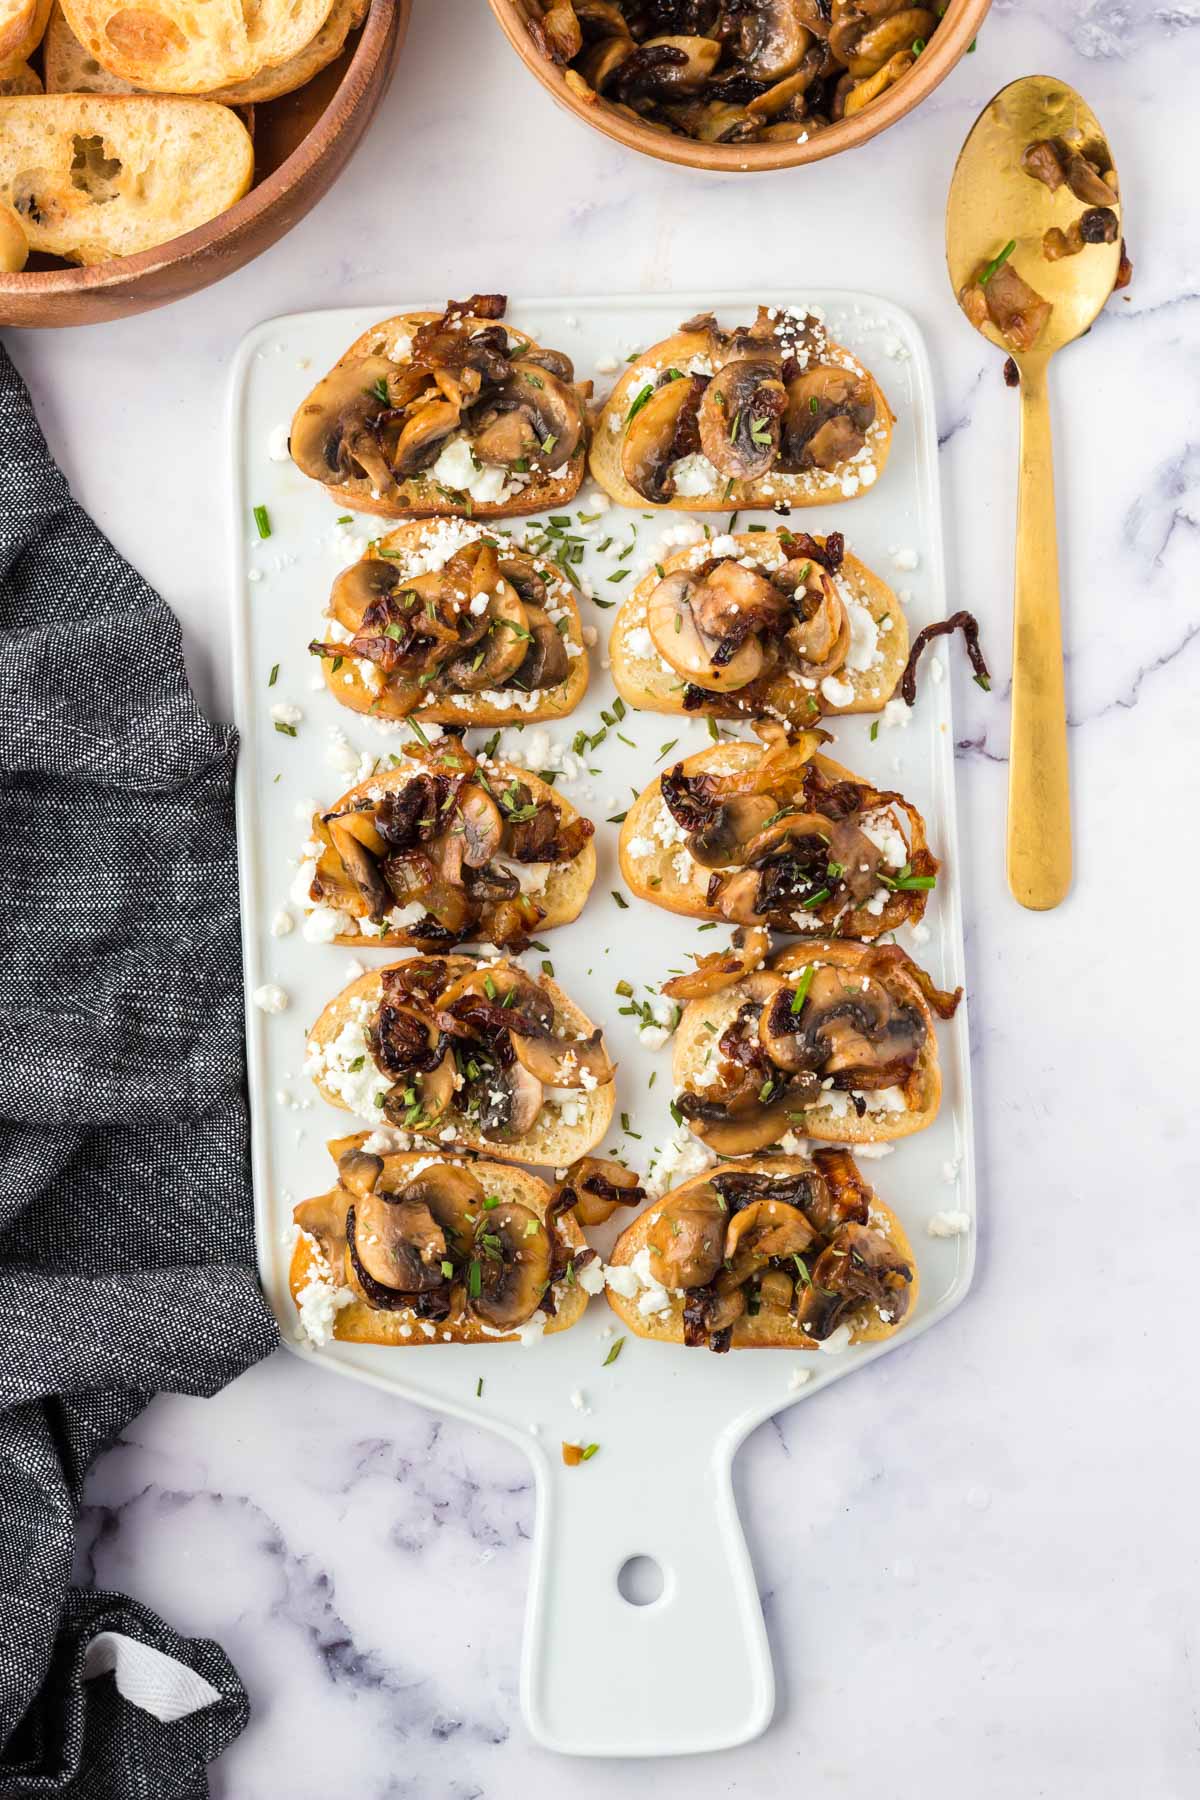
column 147, row 1677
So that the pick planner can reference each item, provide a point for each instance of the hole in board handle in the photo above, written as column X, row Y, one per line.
column 640, row 1580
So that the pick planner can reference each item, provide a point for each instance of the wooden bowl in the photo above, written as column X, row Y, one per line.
column 955, row 33
column 302, row 142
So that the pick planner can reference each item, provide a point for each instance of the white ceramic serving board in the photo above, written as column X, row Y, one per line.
column 601, row 1675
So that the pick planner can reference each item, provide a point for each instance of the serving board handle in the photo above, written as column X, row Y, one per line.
column 691, row 1670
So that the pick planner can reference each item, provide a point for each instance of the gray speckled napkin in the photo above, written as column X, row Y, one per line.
column 126, row 1254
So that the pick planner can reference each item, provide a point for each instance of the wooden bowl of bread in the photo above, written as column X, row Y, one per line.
column 737, row 85
column 149, row 147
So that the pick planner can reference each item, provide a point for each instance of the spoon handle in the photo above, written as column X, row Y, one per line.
column 1039, row 801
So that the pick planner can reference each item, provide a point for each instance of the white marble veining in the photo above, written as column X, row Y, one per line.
column 978, row 1559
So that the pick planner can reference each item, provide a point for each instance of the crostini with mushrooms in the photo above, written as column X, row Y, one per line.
column 779, row 1253
column 828, row 1040
column 773, row 414
column 478, row 1055
column 433, row 414
column 444, row 622
column 762, row 623
column 778, row 835
column 446, row 849
column 416, row 1249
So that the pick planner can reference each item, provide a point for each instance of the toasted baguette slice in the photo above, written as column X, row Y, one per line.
column 771, row 1328
column 646, row 680
column 658, row 867
column 19, row 78
column 561, row 898
column 691, row 351
column 428, row 545
column 171, row 47
column 835, row 1120
column 22, row 26
column 331, row 1301
column 152, row 169
column 339, row 1062
column 420, row 496
column 14, row 245
column 71, row 69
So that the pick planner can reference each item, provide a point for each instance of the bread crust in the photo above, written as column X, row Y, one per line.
column 704, row 1020
column 319, row 1253
column 170, row 48
column 350, row 690
column 22, row 27
column 815, row 487
column 647, row 681
column 107, row 214
column 66, row 62
column 567, row 886
column 412, row 500
column 688, row 898
column 550, row 1143
column 769, row 1329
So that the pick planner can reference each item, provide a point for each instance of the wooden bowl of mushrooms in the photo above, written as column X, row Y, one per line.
column 128, row 178
column 740, row 84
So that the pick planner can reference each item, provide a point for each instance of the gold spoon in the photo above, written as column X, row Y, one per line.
column 993, row 204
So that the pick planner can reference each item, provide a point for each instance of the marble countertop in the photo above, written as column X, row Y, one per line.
column 978, row 1560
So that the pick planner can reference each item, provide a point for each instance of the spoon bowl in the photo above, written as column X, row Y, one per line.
column 993, row 200
column 997, row 217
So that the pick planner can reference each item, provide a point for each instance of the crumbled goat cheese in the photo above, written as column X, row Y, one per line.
column 949, row 1224
column 284, row 713
column 694, row 475
column 277, row 444
column 319, row 1301
column 799, row 1378
column 531, row 877
column 864, row 636
column 591, row 1277
column 639, row 643
column 270, row 999
column 882, row 831
column 838, row 693
column 905, row 559
column 836, row 1342
column 457, row 468
column 324, row 923
column 282, row 923
column 654, row 1297
column 896, row 712
column 682, row 1155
